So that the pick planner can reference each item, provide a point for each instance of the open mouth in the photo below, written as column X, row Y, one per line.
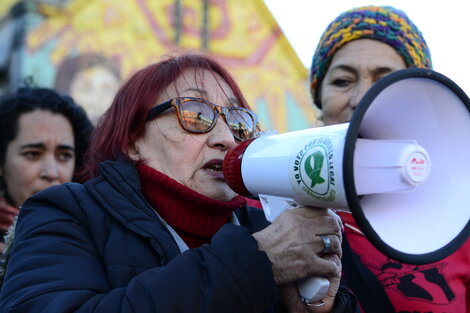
column 214, row 166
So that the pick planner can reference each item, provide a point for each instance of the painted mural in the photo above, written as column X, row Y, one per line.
column 87, row 47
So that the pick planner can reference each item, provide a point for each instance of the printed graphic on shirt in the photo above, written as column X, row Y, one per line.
column 415, row 282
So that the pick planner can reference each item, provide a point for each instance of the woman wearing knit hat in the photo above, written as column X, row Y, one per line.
column 358, row 48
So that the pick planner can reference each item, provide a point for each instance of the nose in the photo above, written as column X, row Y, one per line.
column 220, row 136
column 359, row 93
column 50, row 169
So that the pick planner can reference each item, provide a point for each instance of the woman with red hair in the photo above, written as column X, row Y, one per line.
column 155, row 228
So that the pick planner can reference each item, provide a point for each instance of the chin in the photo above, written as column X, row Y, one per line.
column 215, row 189
column 221, row 194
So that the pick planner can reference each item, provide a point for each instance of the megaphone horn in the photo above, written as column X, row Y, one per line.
column 401, row 166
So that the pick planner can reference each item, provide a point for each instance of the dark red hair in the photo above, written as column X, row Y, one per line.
column 124, row 122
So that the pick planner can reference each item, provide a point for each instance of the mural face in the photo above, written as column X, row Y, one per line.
column 94, row 89
column 241, row 34
column 91, row 79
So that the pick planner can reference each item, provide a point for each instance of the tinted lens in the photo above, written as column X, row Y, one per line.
column 196, row 116
column 241, row 123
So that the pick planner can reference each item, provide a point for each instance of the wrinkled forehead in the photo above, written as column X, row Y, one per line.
column 200, row 83
column 367, row 54
column 44, row 125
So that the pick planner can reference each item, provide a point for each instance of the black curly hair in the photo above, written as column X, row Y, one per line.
column 28, row 99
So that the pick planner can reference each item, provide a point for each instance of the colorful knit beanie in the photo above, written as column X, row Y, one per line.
column 382, row 23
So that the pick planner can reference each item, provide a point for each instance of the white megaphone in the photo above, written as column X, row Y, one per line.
column 402, row 166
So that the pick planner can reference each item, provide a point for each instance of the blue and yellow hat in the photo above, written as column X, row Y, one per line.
column 382, row 23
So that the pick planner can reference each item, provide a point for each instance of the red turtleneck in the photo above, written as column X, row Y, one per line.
column 195, row 217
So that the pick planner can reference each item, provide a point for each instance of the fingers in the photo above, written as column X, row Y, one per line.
column 338, row 219
column 311, row 212
column 327, row 302
column 328, row 244
column 293, row 255
column 295, row 246
column 323, row 267
column 320, row 221
column 290, row 298
column 334, row 280
column 325, row 225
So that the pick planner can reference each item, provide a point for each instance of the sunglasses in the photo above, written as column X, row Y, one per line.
column 199, row 116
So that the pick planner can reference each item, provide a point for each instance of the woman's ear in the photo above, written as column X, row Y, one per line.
column 133, row 151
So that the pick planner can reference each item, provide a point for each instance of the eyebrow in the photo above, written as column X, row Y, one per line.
column 234, row 101
column 43, row 146
column 195, row 89
column 203, row 92
column 343, row 67
column 383, row 70
column 375, row 71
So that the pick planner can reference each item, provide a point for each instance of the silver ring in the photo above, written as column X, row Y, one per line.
column 326, row 244
column 317, row 304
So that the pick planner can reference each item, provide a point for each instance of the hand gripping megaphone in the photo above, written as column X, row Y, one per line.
column 401, row 165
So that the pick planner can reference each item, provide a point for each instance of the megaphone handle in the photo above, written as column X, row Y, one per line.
column 313, row 289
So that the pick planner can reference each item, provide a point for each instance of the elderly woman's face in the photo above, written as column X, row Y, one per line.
column 41, row 155
column 194, row 160
column 353, row 70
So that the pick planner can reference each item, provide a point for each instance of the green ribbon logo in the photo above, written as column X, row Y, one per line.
column 314, row 173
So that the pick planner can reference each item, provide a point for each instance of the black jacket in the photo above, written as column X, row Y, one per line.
column 100, row 247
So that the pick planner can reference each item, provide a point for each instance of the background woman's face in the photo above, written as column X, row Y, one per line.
column 194, row 160
column 41, row 155
column 353, row 70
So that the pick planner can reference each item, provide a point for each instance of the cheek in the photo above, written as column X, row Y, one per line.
column 182, row 160
column 67, row 171
column 20, row 174
column 20, row 180
column 332, row 104
column 175, row 155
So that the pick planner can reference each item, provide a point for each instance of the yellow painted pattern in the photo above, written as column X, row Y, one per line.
column 5, row 6
column 243, row 35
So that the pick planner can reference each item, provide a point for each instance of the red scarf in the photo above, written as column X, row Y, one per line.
column 195, row 217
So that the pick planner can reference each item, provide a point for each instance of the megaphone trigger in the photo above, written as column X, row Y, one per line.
column 273, row 206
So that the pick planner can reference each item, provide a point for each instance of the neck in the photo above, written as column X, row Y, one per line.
column 195, row 217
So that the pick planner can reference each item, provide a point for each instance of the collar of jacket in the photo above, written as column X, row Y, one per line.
column 118, row 190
